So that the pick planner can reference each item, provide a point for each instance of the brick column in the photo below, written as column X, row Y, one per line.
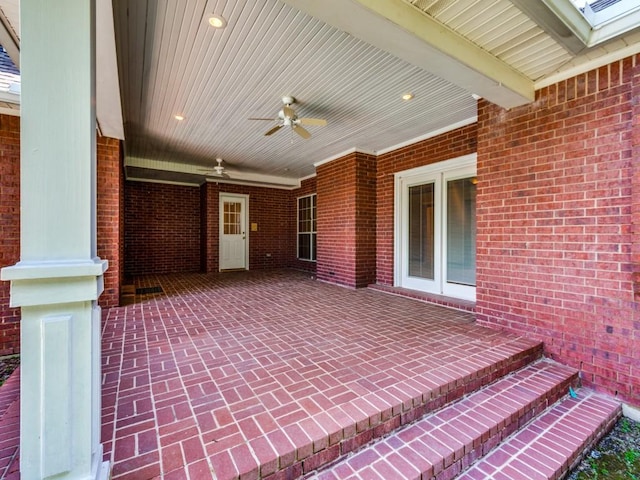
column 209, row 231
column 109, row 211
column 347, row 220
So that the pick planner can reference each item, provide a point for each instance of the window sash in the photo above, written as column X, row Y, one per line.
column 307, row 222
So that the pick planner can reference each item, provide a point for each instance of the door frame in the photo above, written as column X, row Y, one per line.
column 221, row 199
column 406, row 178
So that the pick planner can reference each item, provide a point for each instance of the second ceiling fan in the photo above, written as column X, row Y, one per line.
column 288, row 117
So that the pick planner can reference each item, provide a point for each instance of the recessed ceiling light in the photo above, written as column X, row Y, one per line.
column 217, row 21
column 407, row 96
column 179, row 117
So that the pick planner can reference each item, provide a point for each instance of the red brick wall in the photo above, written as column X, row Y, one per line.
column 555, row 197
column 109, row 194
column 456, row 143
column 162, row 228
column 271, row 245
column 9, row 227
column 365, row 228
column 635, row 205
column 346, row 220
column 109, row 180
column 307, row 187
column 180, row 224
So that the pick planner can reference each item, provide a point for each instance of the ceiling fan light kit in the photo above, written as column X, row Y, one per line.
column 287, row 117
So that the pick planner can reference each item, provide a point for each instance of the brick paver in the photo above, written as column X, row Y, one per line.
column 256, row 372
column 269, row 374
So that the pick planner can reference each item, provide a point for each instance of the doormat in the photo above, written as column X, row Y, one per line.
column 146, row 290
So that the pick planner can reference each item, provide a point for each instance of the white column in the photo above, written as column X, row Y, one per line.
column 59, row 277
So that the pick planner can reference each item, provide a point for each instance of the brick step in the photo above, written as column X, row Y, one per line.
column 348, row 427
column 553, row 443
column 446, row 442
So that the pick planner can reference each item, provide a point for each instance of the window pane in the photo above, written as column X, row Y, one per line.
column 304, row 246
column 306, row 227
column 421, row 231
column 232, row 212
column 461, row 231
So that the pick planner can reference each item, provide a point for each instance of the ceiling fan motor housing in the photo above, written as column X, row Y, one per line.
column 289, row 118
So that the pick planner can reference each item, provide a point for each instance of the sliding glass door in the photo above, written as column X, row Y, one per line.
column 436, row 228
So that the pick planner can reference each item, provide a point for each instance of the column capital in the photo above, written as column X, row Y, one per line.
column 52, row 282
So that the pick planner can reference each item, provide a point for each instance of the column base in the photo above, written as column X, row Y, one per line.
column 104, row 471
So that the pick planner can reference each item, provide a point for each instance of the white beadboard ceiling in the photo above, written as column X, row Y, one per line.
column 172, row 61
column 347, row 61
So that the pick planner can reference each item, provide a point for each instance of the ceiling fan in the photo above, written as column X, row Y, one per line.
column 216, row 170
column 288, row 117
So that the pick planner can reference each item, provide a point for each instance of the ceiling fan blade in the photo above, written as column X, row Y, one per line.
column 288, row 111
column 313, row 121
column 258, row 118
column 212, row 174
column 301, row 131
column 273, row 130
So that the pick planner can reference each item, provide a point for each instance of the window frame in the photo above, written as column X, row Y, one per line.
column 439, row 173
column 312, row 232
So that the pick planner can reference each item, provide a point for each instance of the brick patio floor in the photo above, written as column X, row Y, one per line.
column 238, row 375
column 271, row 374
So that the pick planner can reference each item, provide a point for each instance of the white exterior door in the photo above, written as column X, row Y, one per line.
column 234, row 240
column 436, row 229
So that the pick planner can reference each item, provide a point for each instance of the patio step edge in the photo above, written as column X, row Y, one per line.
column 442, row 444
column 359, row 432
column 554, row 443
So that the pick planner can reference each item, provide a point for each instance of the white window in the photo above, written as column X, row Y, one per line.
column 307, row 228
column 435, row 247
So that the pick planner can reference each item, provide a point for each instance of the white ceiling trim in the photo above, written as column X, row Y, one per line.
column 163, row 182
column 343, row 154
column 225, row 181
column 108, row 103
column 231, row 181
column 9, row 109
column 429, row 135
column 588, row 66
column 238, row 176
column 10, row 98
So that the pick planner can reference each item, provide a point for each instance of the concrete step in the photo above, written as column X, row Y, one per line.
column 553, row 443
column 443, row 444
